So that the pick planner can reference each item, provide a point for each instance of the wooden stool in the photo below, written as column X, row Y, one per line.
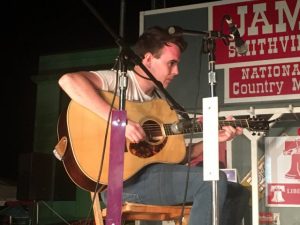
column 134, row 211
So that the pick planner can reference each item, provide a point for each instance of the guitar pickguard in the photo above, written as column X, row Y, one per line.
column 145, row 150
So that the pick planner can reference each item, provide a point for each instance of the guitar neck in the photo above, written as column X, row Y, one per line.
column 196, row 127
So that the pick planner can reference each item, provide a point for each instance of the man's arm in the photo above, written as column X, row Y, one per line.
column 227, row 133
column 83, row 88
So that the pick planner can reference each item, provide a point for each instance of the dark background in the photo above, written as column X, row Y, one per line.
column 35, row 28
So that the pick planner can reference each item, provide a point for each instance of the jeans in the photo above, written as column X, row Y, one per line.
column 164, row 184
column 236, row 204
column 235, row 207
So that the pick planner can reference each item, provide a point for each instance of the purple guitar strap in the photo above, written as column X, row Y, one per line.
column 116, row 167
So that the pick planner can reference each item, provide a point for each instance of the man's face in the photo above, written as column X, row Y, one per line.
column 165, row 68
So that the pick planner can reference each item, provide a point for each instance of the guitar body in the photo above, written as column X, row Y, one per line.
column 85, row 132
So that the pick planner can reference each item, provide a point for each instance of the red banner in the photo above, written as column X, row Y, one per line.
column 271, row 66
column 264, row 80
column 283, row 194
column 270, row 28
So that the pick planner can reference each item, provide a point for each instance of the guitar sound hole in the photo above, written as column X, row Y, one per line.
column 153, row 131
column 154, row 142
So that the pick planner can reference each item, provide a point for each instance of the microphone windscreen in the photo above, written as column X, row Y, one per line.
column 172, row 30
column 242, row 49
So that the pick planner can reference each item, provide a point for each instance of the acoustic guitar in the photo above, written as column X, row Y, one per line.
column 87, row 153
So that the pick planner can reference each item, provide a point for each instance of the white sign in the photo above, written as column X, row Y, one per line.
column 282, row 162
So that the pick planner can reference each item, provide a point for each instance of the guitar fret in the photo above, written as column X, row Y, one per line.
column 235, row 123
column 197, row 128
column 167, row 128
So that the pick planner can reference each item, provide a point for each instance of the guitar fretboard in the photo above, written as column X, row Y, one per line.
column 196, row 127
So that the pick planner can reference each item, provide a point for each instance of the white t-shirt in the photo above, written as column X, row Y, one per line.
column 134, row 91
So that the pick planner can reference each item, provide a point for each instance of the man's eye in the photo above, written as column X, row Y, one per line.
column 172, row 63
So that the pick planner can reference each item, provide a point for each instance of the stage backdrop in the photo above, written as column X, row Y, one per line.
column 269, row 73
column 268, row 76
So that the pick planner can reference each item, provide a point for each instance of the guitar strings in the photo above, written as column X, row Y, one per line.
column 155, row 129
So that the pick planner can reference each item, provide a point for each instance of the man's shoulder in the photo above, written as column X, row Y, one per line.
column 111, row 72
column 104, row 72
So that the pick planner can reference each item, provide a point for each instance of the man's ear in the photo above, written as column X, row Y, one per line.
column 148, row 59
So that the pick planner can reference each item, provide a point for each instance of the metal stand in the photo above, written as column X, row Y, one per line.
column 210, row 131
column 210, row 113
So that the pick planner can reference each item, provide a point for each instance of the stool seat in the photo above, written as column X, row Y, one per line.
column 136, row 211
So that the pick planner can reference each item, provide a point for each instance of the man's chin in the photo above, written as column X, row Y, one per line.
column 166, row 83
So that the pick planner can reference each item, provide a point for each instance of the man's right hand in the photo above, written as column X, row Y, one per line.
column 134, row 132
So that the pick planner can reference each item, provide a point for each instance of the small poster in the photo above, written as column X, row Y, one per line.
column 231, row 174
column 282, row 166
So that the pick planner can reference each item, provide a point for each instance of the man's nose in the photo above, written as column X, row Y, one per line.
column 175, row 70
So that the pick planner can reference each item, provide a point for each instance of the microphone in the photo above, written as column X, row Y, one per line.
column 240, row 44
column 179, row 127
column 179, row 31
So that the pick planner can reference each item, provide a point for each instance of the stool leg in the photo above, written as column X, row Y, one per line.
column 97, row 209
column 185, row 220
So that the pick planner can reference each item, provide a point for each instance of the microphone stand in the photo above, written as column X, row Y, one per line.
column 210, row 109
column 118, row 124
column 209, row 48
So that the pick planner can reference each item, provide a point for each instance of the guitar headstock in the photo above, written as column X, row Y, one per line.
column 258, row 125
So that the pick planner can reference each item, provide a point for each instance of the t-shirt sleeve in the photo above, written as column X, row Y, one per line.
column 108, row 79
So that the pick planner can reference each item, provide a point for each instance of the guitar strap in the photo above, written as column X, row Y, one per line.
column 116, row 167
column 178, row 108
column 173, row 104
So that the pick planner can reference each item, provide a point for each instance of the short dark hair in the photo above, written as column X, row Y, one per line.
column 154, row 39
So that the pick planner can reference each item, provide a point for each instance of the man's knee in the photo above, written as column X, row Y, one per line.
column 222, row 186
column 223, row 180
